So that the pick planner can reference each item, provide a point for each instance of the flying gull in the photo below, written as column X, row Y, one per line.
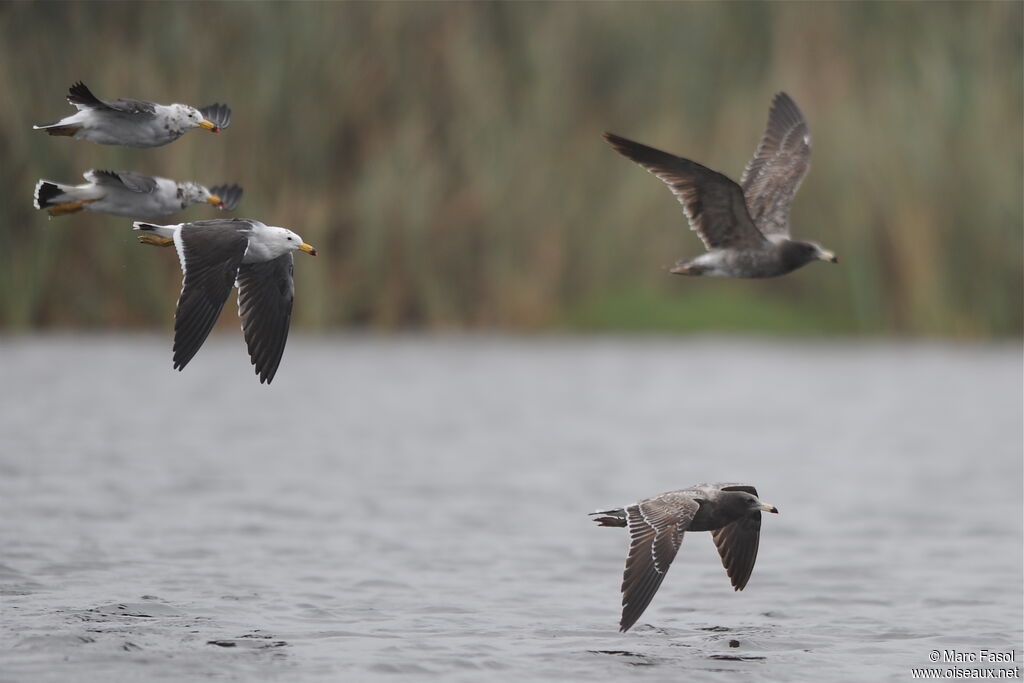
column 124, row 193
column 134, row 123
column 215, row 254
column 731, row 512
column 744, row 227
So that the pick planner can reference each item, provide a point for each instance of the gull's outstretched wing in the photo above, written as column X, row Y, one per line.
column 265, row 295
column 211, row 253
column 780, row 163
column 80, row 96
column 737, row 544
column 656, row 527
column 219, row 114
column 231, row 195
column 135, row 182
column 712, row 202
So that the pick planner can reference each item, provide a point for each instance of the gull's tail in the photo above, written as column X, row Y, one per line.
column 60, row 199
column 48, row 194
column 65, row 127
column 615, row 517
column 161, row 230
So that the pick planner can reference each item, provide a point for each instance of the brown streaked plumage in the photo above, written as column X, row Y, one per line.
column 774, row 174
column 744, row 227
column 731, row 512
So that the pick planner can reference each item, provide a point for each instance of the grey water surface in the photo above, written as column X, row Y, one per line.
column 415, row 508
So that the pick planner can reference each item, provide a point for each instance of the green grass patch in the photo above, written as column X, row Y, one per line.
column 652, row 311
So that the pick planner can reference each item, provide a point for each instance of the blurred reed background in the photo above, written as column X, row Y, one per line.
column 446, row 159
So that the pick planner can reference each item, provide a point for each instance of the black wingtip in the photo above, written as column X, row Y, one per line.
column 78, row 93
column 639, row 152
column 614, row 140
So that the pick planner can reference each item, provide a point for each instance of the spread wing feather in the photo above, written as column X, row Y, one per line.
column 265, row 295
column 210, row 255
column 135, row 182
column 737, row 544
column 713, row 204
column 80, row 96
column 774, row 174
column 656, row 529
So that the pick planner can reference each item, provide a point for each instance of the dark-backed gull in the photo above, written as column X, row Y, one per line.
column 217, row 254
column 134, row 123
column 124, row 193
column 744, row 227
column 731, row 512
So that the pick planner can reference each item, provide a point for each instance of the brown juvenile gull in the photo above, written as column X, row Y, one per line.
column 217, row 254
column 134, row 123
column 125, row 193
column 731, row 512
column 744, row 227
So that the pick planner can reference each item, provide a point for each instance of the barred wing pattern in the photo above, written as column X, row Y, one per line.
column 774, row 174
column 713, row 203
column 656, row 531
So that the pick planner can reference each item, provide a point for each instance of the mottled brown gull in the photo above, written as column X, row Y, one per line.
column 731, row 512
column 745, row 227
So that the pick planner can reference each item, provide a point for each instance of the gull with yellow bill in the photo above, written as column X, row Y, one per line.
column 216, row 254
column 133, row 123
column 125, row 193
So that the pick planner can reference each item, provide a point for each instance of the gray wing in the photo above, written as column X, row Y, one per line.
column 135, row 182
column 713, row 203
column 211, row 253
column 130, row 106
column 219, row 114
column 231, row 195
column 737, row 544
column 265, row 295
column 80, row 96
column 656, row 529
column 772, row 177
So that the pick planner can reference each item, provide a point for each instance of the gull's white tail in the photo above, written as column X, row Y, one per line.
column 162, row 230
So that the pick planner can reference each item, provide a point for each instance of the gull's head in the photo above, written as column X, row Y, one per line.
column 194, row 193
column 291, row 241
column 197, row 120
column 819, row 253
column 800, row 252
column 748, row 503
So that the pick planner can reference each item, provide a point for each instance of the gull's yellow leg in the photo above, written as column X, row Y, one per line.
column 72, row 207
column 156, row 240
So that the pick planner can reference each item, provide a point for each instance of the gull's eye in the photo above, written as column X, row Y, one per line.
column 289, row 239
